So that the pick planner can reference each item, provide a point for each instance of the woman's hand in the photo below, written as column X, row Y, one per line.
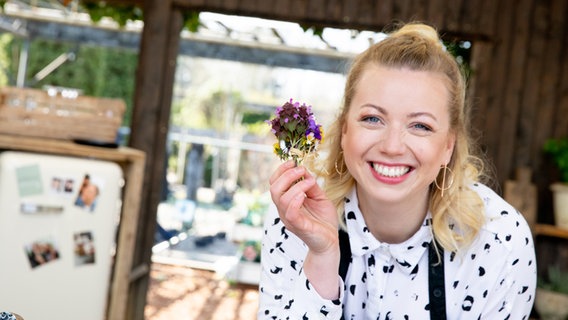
column 304, row 207
column 306, row 211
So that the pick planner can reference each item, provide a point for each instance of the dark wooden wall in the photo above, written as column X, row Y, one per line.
column 519, row 88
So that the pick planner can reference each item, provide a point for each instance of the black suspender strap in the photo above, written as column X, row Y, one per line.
column 345, row 253
column 436, row 286
column 344, row 256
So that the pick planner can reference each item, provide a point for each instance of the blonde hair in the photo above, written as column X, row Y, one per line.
column 457, row 216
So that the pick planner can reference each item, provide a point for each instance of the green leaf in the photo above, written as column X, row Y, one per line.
column 558, row 150
column 191, row 21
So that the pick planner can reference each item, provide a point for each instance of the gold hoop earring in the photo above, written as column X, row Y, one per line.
column 447, row 182
column 343, row 169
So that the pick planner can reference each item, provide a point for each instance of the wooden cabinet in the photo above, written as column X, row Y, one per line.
column 132, row 163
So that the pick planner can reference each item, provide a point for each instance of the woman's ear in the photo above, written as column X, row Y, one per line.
column 450, row 146
column 343, row 131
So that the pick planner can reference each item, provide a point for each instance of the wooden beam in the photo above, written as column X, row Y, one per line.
column 347, row 15
column 138, row 3
column 194, row 46
column 82, row 34
column 150, row 123
column 445, row 15
column 267, row 55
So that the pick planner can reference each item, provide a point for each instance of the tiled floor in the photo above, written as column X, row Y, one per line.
column 178, row 292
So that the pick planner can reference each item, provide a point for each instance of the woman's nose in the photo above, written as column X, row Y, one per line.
column 392, row 141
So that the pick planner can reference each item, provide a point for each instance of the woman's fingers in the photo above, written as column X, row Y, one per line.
column 279, row 170
column 303, row 206
column 288, row 187
column 306, row 212
column 282, row 181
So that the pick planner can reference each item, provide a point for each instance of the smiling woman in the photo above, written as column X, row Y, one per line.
column 395, row 140
column 408, row 230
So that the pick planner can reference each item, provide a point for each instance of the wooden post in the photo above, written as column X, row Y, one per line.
column 150, row 120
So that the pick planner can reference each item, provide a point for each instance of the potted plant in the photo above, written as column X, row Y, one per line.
column 551, row 300
column 558, row 150
column 248, row 268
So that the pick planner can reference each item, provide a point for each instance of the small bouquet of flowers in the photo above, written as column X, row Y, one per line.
column 297, row 131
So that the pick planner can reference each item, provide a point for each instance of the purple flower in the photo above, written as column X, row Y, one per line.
column 297, row 131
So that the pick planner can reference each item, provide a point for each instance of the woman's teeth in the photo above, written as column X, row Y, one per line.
column 390, row 171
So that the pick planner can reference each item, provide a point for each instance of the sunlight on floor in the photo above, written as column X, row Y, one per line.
column 184, row 293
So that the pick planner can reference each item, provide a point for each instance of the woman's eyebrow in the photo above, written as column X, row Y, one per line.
column 422, row 114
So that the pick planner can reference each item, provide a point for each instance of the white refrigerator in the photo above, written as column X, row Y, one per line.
column 58, row 223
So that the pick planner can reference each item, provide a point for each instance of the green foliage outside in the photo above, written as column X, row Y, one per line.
column 97, row 71
column 256, row 125
column 119, row 13
column 183, row 114
column 462, row 51
column 557, row 280
column 223, row 110
column 5, row 39
column 208, row 113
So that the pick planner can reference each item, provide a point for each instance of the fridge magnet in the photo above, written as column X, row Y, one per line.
column 68, row 186
column 31, row 208
column 61, row 186
column 29, row 180
column 56, row 185
column 84, row 248
column 89, row 192
column 41, row 252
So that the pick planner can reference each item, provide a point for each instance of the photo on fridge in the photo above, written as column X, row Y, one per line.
column 84, row 245
column 89, row 192
column 41, row 252
column 62, row 186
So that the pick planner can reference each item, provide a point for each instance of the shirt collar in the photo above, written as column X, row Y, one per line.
column 362, row 242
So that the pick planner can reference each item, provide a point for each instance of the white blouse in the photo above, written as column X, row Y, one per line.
column 494, row 279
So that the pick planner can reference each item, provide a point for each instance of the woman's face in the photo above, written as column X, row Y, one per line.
column 397, row 133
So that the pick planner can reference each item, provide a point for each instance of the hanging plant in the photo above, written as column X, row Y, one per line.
column 98, row 10
column 119, row 13
column 558, row 150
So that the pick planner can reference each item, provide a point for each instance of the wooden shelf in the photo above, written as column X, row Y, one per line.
column 550, row 230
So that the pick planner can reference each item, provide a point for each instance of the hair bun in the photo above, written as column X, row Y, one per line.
column 419, row 30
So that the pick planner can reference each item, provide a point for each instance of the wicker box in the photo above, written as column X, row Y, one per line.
column 59, row 114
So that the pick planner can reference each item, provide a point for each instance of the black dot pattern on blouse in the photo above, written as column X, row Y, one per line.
column 494, row 279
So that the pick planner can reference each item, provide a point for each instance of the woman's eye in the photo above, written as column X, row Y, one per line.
column 371, row 119
column 421, row 126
